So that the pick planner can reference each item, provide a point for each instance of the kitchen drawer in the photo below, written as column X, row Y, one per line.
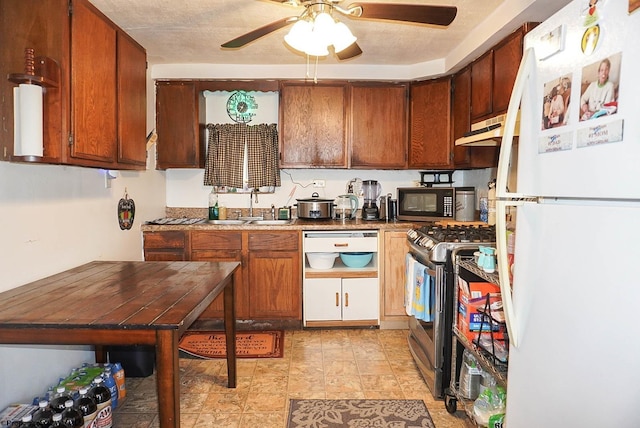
column 340, row 242
column 208, row 240
column 168, row 239
column 274, row 241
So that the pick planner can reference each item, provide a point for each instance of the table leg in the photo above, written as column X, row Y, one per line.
column 168, row 378
column 230, row 326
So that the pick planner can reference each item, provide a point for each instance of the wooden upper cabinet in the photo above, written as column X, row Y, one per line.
column 93, row 86
column 482, row 87
column 132, row 101
column 461, row 112
column 506, row 61
column 431, row 145
column 96, row 114
column 180, row 124
column 379, row 126
column 313, row 125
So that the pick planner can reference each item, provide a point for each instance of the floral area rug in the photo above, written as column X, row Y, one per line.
column 359, row 414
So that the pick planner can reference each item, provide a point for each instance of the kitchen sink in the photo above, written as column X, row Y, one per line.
column 251, row 218
column 228, row 222
column 270, row 222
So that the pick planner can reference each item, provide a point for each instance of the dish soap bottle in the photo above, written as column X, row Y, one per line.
column 213, row 205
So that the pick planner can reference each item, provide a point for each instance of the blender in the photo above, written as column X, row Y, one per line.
column 371, row 191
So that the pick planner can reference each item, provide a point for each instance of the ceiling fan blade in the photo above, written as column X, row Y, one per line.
column 352, row 51
column 249, row 37
column 419, row 13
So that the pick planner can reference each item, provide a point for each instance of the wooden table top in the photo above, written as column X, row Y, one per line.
column 119, row 295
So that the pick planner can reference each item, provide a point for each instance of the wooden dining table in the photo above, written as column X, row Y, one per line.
column 105, row 303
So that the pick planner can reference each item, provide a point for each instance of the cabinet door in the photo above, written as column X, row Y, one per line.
column 313, row 125
column 274, row 285
column 395, row 250
column 180, row 125
column 506, row 61
column 431, row 144
column 132, row 101
column 222, row 246
column 274, row 279
column 93, row 85
column 482, row 87
column 461, row 111
column 360, row 299
column 322, row 299
column 379, row 126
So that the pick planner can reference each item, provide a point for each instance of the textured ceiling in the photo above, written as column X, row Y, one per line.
column 191, row 31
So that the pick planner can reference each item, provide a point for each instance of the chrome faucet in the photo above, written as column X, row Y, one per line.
column 253, row 191
column 273, row 212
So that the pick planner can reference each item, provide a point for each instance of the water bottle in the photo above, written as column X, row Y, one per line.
column 72, row 416
column 118, row 375
column 102, row 395
column 57, row 421
column 88, row 408
column 110, row 383
column 60, row 396
column 42, row 416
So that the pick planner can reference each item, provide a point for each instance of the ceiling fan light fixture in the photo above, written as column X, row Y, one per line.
column 324, row 25
column 316, row 45
column 299, row 35
column 342, row 37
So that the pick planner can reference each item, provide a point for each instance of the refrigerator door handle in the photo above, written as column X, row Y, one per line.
column 526, row 74
column 503, row 269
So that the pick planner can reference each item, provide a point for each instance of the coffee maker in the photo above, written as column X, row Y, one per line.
column 371, row 191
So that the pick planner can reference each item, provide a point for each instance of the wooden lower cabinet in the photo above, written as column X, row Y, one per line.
column 271, row 268
column 393, row 284
column 274, row 275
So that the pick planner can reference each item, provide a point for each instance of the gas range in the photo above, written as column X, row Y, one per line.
column 433, row 241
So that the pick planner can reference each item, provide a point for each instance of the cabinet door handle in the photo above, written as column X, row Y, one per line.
column 337, row 299
column 346, row 299
column 341, row 245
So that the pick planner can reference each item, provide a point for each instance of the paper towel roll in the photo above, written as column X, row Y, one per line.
column 28, row 121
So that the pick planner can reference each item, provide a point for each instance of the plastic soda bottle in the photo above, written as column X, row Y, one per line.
column 60, row 396
column 102, row 395
column 110, row 383
column 118, row 375
column 72, row 416
column 42, row 416
column 57, row 421
column 88, row 408
column 27, row 422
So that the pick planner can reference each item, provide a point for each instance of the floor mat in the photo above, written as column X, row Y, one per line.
column 249, row 344
column 360, row 413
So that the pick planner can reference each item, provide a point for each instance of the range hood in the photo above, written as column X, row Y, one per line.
column 487, row 133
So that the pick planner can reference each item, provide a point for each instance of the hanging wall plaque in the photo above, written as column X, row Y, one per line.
column 126, row 212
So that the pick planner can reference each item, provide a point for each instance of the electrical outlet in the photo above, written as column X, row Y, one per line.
column 318, row 183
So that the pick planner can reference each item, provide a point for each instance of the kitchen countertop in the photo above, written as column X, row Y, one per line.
column 296, row 224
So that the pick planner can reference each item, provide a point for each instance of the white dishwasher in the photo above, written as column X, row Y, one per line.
column 341, row 295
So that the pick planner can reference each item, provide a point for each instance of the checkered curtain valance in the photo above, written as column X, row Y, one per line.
column 226, row 152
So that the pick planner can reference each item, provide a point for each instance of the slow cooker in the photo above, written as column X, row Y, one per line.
column 315, row 207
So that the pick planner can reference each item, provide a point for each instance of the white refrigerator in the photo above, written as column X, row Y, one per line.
column 572, row 182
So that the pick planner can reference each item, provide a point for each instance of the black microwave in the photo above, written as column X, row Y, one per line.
column 426, row 203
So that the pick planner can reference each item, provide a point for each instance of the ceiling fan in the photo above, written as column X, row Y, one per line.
column 415, row 13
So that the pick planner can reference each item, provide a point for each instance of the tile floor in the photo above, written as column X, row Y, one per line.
column 330, row 364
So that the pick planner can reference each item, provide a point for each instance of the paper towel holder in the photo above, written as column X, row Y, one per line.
column 39, row 72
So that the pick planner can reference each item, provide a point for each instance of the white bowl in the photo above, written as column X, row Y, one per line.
column 321, row 260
